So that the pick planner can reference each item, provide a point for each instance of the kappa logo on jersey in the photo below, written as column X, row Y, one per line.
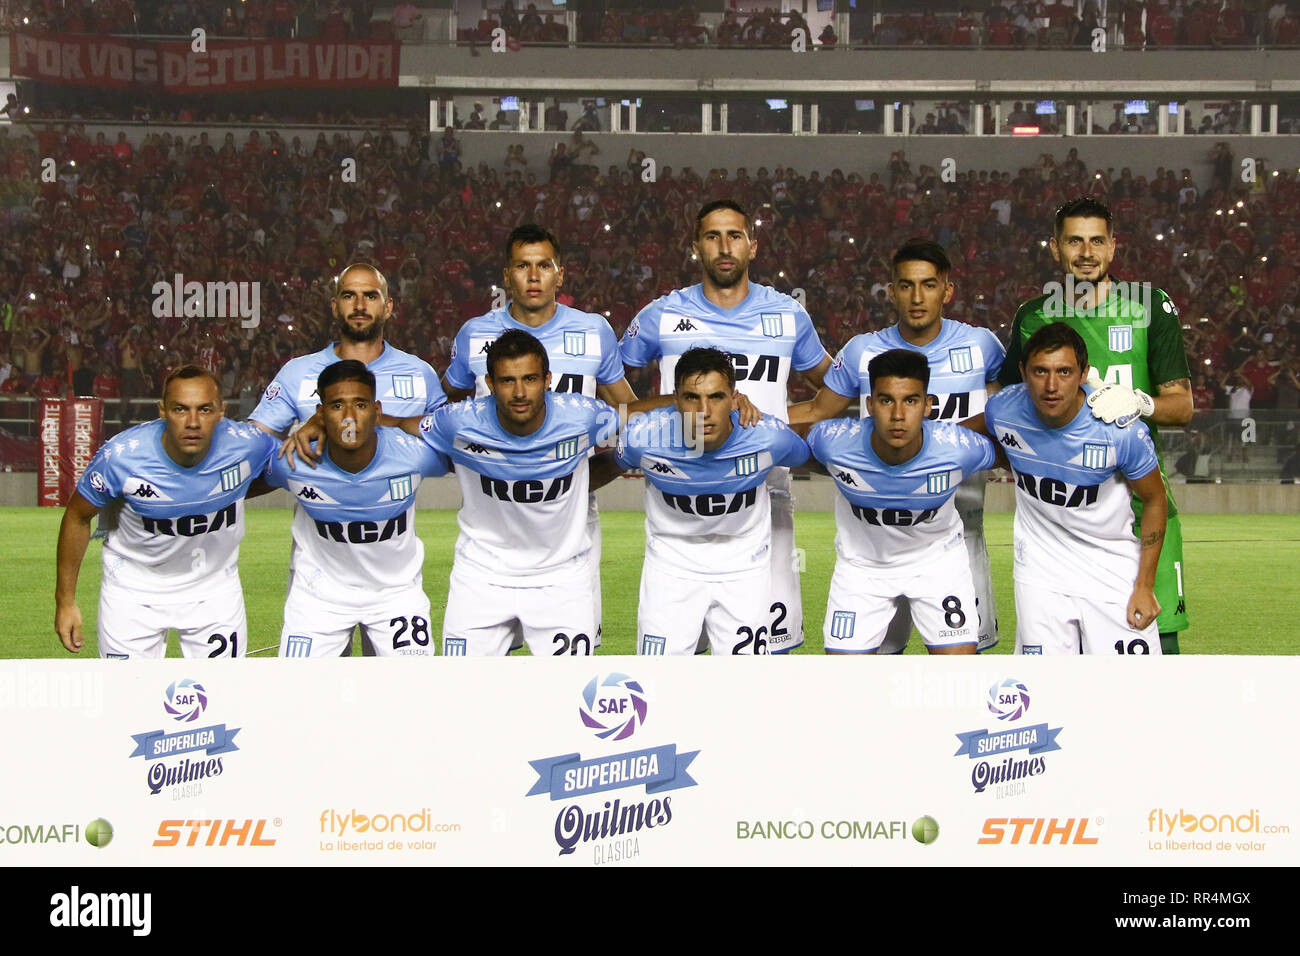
column 231, row 477
column 476, row 448
column 98, row 483
column 936, row 483
column 575, row 343
column 843, row 624
column 399, row 488
column 685, row 325
column 773, row 324
column 1011, row 438
column 746, row 464
column 138, row 488
column 309, row 493
column 404, row 386
column 959, row 360
column 661, row 467
column 1095, row 456
column 307, row 391
column 487, row 344
column 208, row 745
column 1120, row 337
column 845, row 478
column 566, row 449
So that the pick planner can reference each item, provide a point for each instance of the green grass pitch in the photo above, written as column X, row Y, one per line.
column 1243, row 593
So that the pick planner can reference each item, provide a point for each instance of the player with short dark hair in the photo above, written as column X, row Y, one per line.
column 524, row 551
column 357, row 559
column 172, row 560
column 1084, row 582
column 708, row 523
column 1139, row 361
column 964, row 361
column 898, row 537
column 767, row 333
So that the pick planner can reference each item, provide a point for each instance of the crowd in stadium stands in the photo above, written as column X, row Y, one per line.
column 1001, row 23
column 80, row 256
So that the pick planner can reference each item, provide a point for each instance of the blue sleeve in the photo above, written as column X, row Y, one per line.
column 99, row 484
column 604, row 424
column 1136, row 453
column 808, row 351
column 276, row 473
column 640, row 345
column 994, row 355
column 628, row 452
column 842, row 376
column 458, row 370
column 788, row 449
column 434, row 431
column 278, row 409
column 977, row 451
column 264, row 451
column 817, row 441
column 432, row 464
column 611, row 358
column 433, row 389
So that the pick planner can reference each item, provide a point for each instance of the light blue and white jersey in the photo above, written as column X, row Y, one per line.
column 1073, row 529
column 767, row 335
column 354, row 536
column 523, row 518
column 406, row 386
column 963, row 360
column 582, row 349
column 178, row 533
column 893, row 519
column 706, row 513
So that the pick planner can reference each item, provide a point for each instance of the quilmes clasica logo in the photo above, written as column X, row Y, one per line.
column 999, row 761
column 183, row 760
column 614, row 706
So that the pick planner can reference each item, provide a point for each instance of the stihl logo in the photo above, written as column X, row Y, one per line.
column 1071, row 830
column 214, row 833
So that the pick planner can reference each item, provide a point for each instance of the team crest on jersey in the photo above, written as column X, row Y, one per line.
column 141, row 490
column 575, row 343
column 399, row 488
column 1120, row 337
column 960, row 360
column 97, row 482
column 936, row 483
column 232, row 476
column 773, row 324
column 1095, row 456
column 564, row 450
column 404, row 386
column 843, row 624
column 746, row 464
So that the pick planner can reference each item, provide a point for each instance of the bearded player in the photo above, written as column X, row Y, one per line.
column 767, row 334
column 1139, row 363
column 963, row 361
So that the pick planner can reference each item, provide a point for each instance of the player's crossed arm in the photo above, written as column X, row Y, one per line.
column 74, row 537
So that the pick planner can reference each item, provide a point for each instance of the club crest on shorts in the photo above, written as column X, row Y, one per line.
column 747, row 464
column 1120, row 337
column 296, row 645
column 650, row 644
column 843, row 624
column 575, row 343
column 773, row 324
column 453, row 647
column 1094, row 456
column 404, row 386
column 959, row 360
column 566, row 449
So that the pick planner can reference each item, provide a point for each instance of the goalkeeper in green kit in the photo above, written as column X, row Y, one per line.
column 1139, row 362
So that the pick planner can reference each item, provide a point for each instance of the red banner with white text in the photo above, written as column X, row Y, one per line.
column 223, row 66
column 71, row 432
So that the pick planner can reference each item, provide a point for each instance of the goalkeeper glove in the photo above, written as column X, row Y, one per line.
column 1118, row 403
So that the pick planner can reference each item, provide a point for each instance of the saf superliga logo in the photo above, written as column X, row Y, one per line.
column 185, row 700
column 1009, row 700
column 613, row 707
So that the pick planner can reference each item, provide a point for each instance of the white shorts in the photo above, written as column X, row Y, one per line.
column 482, row 616
column 673, row 612
column 215, row 627
column 785, row 610
column 1048, row 622
column 397, row 627
column 861, row 604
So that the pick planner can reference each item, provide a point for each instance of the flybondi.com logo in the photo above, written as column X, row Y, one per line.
column 613, row 707
column 179, row 299
column 997, row 752
column 1080, row 295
